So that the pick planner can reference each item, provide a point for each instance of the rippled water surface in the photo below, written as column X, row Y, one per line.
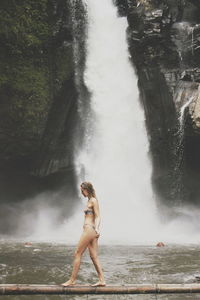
column 47, row 263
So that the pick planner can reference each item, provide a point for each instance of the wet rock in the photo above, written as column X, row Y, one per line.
column 165, row 50
column 197, row 279
column 39, row 92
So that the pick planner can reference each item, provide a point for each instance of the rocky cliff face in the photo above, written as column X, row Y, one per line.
column 42, row 58
column 165, row 50
column 57, row 145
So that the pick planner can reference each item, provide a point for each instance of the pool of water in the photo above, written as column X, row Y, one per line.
column 51, row 263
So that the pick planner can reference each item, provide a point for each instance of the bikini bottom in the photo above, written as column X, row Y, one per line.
column 89, row 225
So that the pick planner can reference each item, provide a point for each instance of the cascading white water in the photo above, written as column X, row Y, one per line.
column 116, row 159
column 115, row 156
column 182, row 112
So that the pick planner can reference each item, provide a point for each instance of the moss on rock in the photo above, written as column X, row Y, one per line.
column 35, row 60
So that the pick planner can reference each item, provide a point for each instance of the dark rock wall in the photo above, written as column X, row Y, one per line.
column 164, row 44
column 57, row 144
column 42, row 57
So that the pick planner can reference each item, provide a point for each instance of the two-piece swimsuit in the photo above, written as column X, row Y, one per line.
column 87, row 212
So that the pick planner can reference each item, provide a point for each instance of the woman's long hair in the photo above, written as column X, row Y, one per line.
column 89, row 187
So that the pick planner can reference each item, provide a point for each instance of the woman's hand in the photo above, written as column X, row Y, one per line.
column 97, row 232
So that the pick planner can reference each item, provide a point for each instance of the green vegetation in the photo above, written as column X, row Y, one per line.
column 34, row 63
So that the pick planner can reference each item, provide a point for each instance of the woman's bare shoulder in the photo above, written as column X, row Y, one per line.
column 93, row 199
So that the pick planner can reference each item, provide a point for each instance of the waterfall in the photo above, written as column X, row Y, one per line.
column 182, row 114
column 180, row 145
column 185, row 97
column 115, row 156
column 184, row 40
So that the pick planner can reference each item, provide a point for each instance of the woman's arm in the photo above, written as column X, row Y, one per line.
column 97, row 214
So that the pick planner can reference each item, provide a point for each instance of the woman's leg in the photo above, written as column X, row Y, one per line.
column 86, row 237
column 93, row 250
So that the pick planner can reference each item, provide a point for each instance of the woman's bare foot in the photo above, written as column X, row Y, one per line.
column 69, row 282
column 99, row 283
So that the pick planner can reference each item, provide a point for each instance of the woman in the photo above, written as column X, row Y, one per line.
column 89, row 237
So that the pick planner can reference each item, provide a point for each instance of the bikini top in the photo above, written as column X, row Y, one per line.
column 88, row 211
